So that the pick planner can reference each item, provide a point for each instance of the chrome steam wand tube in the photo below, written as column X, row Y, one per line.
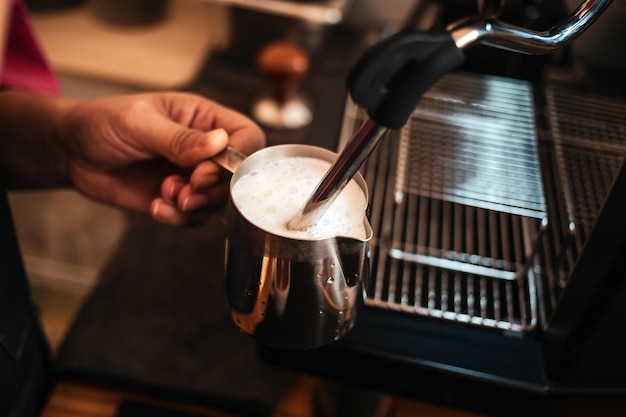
column 492, row 32
column 354, row 154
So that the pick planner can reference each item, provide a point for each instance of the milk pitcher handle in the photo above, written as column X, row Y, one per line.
column 229, row 159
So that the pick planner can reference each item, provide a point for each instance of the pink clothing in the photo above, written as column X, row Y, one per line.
column 25, row 66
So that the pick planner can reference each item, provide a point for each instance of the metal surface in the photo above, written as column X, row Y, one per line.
column 458, row 206
column 589, row 134
column 492, row 32
column 473, row 141
column 229, row 159
column 461, row 196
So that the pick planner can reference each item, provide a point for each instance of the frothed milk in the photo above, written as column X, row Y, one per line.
column 274, row 192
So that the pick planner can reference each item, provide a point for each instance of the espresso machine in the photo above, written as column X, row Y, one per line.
column 497, row 182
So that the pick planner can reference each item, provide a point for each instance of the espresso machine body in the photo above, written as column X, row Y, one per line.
column 499, row 251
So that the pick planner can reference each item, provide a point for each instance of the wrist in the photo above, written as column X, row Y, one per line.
column 33, row 151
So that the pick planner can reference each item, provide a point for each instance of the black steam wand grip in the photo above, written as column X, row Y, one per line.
column 391, row 77
column 388, row 82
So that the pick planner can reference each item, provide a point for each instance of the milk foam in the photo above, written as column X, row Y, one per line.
column 274, row 192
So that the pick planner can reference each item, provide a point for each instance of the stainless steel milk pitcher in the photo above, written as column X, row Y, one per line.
column 293, row 293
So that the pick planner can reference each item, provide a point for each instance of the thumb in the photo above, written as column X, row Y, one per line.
column 188, row 147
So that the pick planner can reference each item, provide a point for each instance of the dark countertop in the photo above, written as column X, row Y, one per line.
column 159, row 319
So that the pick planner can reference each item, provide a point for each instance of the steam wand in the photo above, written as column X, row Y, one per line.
column 391, row 77
column 355, row 153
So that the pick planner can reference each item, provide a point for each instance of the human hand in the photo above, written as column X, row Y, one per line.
column 151, row 152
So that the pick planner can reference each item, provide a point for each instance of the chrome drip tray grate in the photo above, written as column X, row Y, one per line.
column 590, row 142
column 589, row 134
column 472, row 141
column 458, row 206
column 448, row 260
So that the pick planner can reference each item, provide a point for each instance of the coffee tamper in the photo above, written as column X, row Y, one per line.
column 284, row 64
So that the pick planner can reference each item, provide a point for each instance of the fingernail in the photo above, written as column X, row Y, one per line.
column 173, row 189
column 218, row 135
column 194, row 202
column 171, row 194
column 205, row 182
column 162, row 211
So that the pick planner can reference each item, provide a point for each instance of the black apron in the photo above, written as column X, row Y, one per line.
column 24, row 353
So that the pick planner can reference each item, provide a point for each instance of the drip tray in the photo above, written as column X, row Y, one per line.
column 589, row 137
column 458, row 205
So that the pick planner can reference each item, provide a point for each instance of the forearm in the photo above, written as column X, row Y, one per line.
column 32, row 152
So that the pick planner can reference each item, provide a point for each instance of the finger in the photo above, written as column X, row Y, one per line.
column 186, row 147
column 207, row 174
column 169, row 214
column 171, row 187
column 244, row 135
column 191, row 149
column 247, row 140
column 212, row 198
